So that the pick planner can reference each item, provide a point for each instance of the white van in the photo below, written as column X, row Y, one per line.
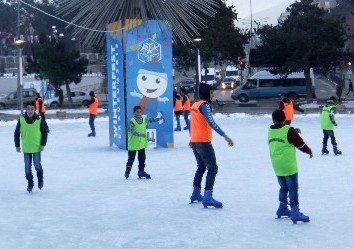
column 232, row 72
column 264, row 85
column 209, row 78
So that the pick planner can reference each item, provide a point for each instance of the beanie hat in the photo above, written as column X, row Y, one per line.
column 278, row 116
column 204, row 92
column 153, row 68
column 92, row 94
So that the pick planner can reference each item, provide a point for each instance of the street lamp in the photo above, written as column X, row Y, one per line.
column 198, row 70
column 19, row 43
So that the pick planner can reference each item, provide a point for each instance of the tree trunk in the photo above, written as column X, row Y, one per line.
column 309, row 88
column 68, row 92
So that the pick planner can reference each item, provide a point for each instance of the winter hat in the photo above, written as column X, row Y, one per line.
column 137, row 107
column 332, row 99
column 153, row 68
column 92, row 94
column 278, row 116
column 204, row 92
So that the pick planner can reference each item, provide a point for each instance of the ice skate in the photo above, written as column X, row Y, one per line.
column 92, row 134
column 336, row 151
column 208, row 200
column 324, row 150
column 143, row 174
column 283, row 211
column 296, row 215
column 30, row 186
column 196, row 196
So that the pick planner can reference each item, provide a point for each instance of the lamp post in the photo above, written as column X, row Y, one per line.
column 19, row 43
column 198, row 71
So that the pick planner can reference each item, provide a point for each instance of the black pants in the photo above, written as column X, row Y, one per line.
column 141, row 159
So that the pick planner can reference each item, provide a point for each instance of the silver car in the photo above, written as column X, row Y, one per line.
column 10, row 100
column 77, row 97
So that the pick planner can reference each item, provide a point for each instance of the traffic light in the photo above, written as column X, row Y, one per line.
column 242, row 64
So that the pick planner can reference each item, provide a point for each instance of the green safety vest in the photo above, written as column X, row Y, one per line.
column 326, row 123
column 282, row 153
column 30, row 135
column 135, row 142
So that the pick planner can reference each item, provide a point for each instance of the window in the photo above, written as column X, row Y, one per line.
column 250, row 84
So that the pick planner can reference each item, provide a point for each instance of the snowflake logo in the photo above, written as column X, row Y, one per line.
column 149, row 50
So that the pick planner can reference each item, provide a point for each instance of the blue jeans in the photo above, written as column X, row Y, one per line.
column 205, row 155
column 36, row 157
column 92, row 122
column 289, row 184
column 329, row 134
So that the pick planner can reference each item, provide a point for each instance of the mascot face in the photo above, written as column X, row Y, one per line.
column 150, row 85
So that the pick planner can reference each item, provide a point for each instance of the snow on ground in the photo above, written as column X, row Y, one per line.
column 87, row 203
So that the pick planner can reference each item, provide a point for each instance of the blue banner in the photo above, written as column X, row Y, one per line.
column 116, row 103
column 149, row 78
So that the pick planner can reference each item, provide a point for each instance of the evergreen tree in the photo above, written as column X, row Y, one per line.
column 221, row 41
column 308, row 38
column 51, row 61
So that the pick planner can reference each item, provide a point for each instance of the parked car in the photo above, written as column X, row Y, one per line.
column 187, row 85
column 10, row 100
column 77, row 97
column 228, row 83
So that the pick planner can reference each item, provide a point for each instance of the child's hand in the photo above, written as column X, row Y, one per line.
column 42, row 147
column 18, row 149
column 298, row 130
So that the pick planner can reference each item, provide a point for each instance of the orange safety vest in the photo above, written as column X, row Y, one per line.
column 94, row 106
column 37, row 105
column 187, row 104
column 200, row 130
column 178, row 105
column 288, row 110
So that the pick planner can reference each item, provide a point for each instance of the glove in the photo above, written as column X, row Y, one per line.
column 311, row 155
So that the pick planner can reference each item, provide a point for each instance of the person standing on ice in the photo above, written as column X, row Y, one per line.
column 283, row 141
column 138, row 142
column 93, row 109
column 327, row 125
column 33, row 133
column 201, row 126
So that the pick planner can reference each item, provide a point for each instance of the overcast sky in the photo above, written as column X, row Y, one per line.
column 243, row 6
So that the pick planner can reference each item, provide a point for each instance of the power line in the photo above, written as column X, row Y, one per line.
column 62, row 20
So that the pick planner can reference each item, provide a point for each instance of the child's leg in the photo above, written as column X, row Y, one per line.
column 186, row 115
column 141, row 159
column 283, row 191
column 38, row 167
column 28, row 165
column 333, row 139
column 131, row 158
column 292, row 183
column 325, row 137
column 198, row 176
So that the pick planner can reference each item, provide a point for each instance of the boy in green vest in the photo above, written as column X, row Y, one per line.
column 33, row 132
column 137, row 141
column 327, row 125
column 283, row 141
